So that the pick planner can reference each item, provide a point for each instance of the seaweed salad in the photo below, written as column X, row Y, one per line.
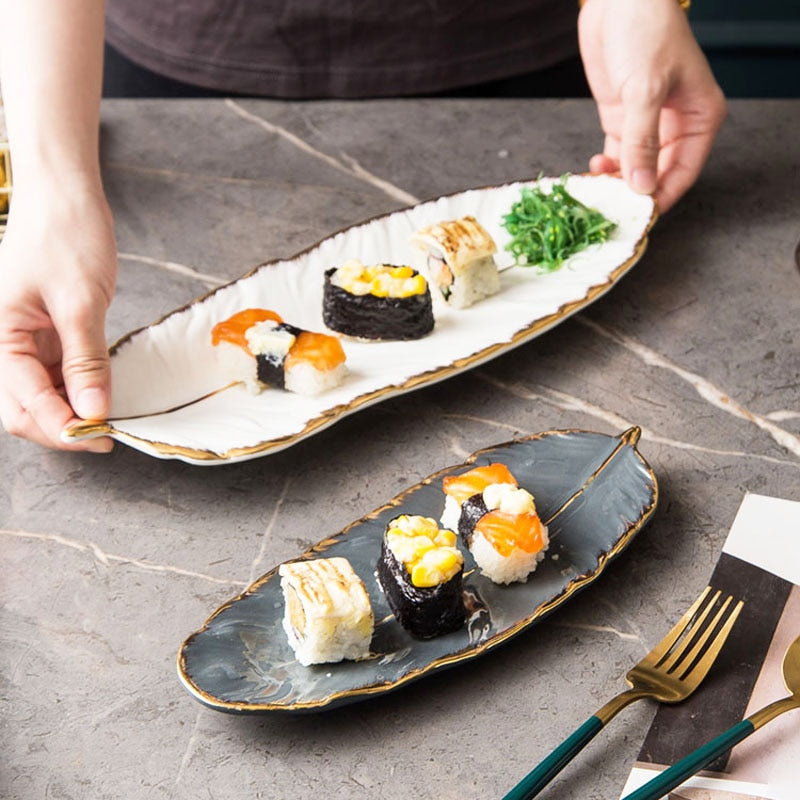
column 548, row 227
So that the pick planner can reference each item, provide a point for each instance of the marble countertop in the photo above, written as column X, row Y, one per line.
column 109, row 562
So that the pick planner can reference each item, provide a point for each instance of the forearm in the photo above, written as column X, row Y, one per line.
column 51, row 56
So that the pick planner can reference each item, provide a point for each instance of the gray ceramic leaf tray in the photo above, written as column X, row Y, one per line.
column 594, row 491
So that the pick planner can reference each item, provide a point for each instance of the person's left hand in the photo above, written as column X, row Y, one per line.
column 659, row 104
column 58, row 265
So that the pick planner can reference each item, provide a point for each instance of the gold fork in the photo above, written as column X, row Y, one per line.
column 669, row 673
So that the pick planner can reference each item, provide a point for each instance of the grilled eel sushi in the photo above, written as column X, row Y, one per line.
column 327, row 613
column 459, row 257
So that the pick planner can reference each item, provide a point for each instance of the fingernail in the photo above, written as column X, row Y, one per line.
column 104, row 445
column 91, row 403
column 643, row 180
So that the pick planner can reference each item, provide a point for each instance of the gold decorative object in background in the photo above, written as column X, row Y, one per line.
column 684, row 4
column 5, row 182
column 5, row 172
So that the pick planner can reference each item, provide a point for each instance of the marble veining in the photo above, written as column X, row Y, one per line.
column 705, row 388
column 172, row 266
column 347, row 164
column 111, row 559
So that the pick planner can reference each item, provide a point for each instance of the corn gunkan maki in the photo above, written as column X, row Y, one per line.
column 420, row 571
column 377, row 302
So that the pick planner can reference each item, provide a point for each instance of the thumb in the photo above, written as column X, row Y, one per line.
column 640, row 141
column 85, row 365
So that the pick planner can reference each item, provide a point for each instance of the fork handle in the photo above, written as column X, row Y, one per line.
column 695, row 761
column 541, row 775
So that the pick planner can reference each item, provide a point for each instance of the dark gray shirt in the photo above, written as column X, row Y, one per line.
column 341, row 48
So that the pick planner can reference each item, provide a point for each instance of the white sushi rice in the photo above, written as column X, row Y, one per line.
column 517, row 566
column 238, row 366
column 331, row 642
column 305, row 378
column 480, row 279
column 451, row 513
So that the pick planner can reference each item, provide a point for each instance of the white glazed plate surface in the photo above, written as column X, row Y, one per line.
column 168, row 380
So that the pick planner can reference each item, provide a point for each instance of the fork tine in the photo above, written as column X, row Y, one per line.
column 697, row 634
column 670, row 640
column 696, row 670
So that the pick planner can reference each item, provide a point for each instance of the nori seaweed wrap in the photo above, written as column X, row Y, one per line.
column 472, row 509
column 270, row 365
column 424, row 611
column 378, row 302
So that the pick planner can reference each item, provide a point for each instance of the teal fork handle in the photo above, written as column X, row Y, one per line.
column 688, row 766
column 540, row 776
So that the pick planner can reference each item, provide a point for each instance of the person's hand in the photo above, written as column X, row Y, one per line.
column 659, row 104
column 58, row 272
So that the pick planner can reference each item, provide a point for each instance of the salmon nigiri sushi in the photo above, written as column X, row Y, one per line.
column 459, row 488
column 497, row 520
column 262, row 350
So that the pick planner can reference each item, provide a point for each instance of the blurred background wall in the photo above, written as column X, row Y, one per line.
column 753, row 45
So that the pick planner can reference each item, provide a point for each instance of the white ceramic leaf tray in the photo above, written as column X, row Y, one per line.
column 169, row 395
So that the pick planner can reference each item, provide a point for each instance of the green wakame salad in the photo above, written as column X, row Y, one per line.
column 547, row 228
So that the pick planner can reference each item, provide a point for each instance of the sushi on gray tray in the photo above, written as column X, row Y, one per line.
column 497, row 520
column 420, row 570
column 327, row 613
column 379, row 302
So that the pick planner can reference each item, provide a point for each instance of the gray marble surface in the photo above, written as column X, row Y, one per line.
column 109, row 562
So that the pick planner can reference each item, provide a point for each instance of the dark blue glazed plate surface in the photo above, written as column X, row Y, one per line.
column 594, row 491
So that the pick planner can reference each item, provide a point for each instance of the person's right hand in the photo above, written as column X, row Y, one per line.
column 58, row 269
column 659, row 104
